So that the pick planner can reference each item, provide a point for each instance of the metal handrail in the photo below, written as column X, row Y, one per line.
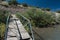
column 7, row 22
column 28, row 23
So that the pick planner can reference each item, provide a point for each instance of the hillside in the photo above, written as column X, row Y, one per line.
column 44, row 22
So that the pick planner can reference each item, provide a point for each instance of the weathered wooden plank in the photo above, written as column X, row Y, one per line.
column 23, row 32
column 12, row 38
column 13, row 33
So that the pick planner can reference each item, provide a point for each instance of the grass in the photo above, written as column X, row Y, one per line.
column 39, row 18
column 3, row 18
column 2, row 30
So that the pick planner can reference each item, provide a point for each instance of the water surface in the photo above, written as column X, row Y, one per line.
column 50, row 33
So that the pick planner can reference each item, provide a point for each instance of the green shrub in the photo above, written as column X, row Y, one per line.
column 2, row 30
column 25, row 5
column 39, row 18
column 43, row 9
column 14, row 2
column 47, row 9
column 3, row 16
column 3, row 0
column 58, row 11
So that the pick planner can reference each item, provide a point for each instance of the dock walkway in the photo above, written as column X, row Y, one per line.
column 16, row 30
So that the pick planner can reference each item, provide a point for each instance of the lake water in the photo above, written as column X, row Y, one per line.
column 50, row 33
column 53, row 4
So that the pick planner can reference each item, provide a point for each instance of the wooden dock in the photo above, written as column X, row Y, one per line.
column 16, row 30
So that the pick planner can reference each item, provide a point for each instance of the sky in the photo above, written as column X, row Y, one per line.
column 53, row 4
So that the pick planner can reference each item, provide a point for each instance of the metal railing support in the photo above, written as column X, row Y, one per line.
column 7, row 22
column 28, row 24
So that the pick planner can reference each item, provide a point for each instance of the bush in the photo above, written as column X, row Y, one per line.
column 43, row 9
column 2, row 30
column 4, row 3
column 13, row 2
column 47, row 9
column 39, row 18
column 3, row 16
column 58, row 11
column 3, row 0
column 25, row 5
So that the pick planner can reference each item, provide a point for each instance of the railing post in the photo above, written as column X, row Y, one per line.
column 5, row 38
column 31, row 30
column 30, row 27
